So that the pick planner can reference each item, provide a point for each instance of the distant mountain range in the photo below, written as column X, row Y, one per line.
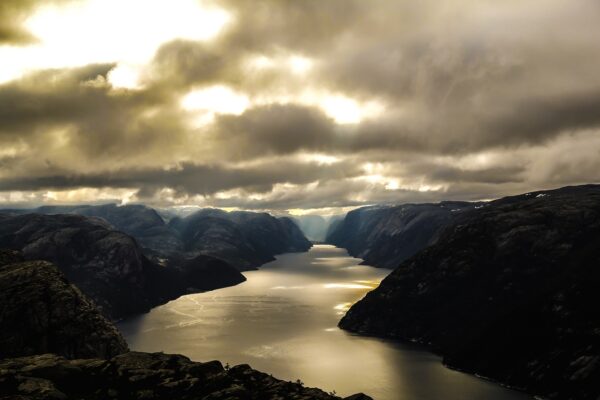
column 128, row 260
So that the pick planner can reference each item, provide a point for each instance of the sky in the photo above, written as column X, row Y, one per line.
column 310, row 106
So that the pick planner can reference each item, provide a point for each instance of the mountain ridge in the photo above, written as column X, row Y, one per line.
column 508, row 291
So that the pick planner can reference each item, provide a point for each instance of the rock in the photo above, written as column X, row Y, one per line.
column 97, row 247
column 41, row 312
column 107, row 265
column 143, row 376
column 244, row 239
column 141, row 222
column 509, row 291
column 384, row 236
column 195, row 270
column 207, row 232
column 295, row 241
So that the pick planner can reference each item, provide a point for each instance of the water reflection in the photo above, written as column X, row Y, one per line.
column 283, row 319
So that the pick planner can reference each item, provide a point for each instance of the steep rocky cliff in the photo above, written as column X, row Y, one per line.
column 509, row 291
column 384, row 236
column 40, row 312
column 139, row 221
column 245, row 239
column 108, row 265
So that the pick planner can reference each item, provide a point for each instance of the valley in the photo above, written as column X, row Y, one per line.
column 282, row 320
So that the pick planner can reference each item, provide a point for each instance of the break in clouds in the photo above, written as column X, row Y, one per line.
column 297, row 104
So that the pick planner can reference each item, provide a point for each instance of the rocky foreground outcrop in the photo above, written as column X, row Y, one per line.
column 384, row 236
column 108, row 265
column 41, row 312
column 144, row 376
column 510, row 291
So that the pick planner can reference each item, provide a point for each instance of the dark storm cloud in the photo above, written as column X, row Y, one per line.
column 189, row 179
column 79, row 110
column 183, row 63
column 480, row 99
column 487, row 175
column 51, row 97
column 534, row 118
column 275, row 129
column 270, row 25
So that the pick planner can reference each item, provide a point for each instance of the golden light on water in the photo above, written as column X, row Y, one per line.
column 346, row 286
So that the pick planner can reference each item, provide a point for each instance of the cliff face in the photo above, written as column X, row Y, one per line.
column 144, row 376
column 384, row 236
column 98, row 249
column 509, row 291
column 41, row 312
column 108, row 265
column 244, row 239
column 139, row 221
column 294, row 237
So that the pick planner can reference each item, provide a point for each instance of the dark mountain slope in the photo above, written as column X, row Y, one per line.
column 294, row 236
column 384, row 236
column 139, row 221
column 41, row 312
column 510, row 291
column 108, row 265
column 244, row 239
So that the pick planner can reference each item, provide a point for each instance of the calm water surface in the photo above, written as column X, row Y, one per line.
column 283, row 321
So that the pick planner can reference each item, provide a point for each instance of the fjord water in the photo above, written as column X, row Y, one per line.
column 282, row 321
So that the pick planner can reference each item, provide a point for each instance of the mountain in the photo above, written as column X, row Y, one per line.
column 41, row 312
column 509, row 291
column 128, row 260
column 244, row 239
column 107, row 265
column 384, row 236
column 139, row 221
column 65, row 349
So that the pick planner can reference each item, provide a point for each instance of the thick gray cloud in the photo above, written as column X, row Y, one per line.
column 190, row 178
column 477, row 99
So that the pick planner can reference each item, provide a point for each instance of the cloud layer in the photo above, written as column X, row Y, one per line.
column 446, row 100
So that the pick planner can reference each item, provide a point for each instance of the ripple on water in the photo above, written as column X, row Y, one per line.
column 283, row 320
